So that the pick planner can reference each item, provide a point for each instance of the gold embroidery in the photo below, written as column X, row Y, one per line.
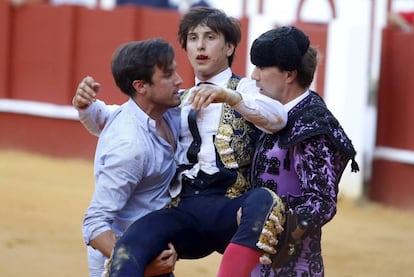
column 234, row 145
column 239, row 187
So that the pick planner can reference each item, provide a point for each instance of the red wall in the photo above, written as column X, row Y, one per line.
column 52, row 137
column 41, row 53
column 5, row 31
column 392, row 181
column 396, row 91
column 46, row 50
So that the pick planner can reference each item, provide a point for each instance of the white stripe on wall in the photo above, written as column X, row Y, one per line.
column 394, row 154
column 41, row 109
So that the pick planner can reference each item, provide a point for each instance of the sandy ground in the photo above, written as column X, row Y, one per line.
column 42, row 201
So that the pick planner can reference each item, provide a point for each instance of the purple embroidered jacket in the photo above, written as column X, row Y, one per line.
column 304, row 163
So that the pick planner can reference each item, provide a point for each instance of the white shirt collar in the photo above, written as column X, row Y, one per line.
column 220, row 79
column 288, row 106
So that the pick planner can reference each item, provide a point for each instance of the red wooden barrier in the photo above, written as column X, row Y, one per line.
column 396, row 91
column 99, row 33
column 53, row 137
column 42, row 53
column 5, row 32
column 46, row 50
column 392, row 180
column 392, row 184
column 240, row 63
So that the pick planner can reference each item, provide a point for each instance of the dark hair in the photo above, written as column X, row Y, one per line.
column 283, row 47
column 136, row 60
column 216, row 20
column 307, row 68
column 287, row 48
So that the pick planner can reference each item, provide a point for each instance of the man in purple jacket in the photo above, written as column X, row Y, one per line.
column 304, row 162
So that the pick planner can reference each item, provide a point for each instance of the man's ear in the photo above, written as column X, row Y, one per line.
column 291, row 76
column 139, row 86
column 230, row 49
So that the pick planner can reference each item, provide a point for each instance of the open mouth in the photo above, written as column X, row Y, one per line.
column 202, row 57
column 261, row 90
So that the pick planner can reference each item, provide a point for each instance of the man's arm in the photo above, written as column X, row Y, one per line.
column 110, row 184
column 93, row 114
column 267, row 114
column 318, row 203
column 163, row 264
column 104, row 242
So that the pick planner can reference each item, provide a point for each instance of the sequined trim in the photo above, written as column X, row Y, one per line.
column 269, row 237
column 234, row 144
column 224, row 149
column 225, row 132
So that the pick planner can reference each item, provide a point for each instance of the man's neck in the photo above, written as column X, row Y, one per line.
column 153, row 111
column 223, row 75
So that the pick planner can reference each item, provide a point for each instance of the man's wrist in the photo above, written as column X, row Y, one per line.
column 233, row 97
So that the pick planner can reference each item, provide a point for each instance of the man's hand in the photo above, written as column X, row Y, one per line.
column 104, row 242
column 238, row 216
column 85, row 93
column 163, row 264
column 205, row 94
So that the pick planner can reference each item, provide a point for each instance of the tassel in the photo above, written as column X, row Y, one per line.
column 354, row 166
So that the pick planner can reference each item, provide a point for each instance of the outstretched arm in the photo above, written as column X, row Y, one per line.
column 93, row 114
column 267, row 114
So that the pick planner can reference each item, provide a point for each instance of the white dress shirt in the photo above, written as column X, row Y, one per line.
column 267, row 114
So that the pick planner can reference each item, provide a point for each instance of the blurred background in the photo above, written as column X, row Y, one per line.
column 48, row 46
column 46, row 171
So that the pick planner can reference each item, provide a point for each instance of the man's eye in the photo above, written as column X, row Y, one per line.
column 168, row 74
